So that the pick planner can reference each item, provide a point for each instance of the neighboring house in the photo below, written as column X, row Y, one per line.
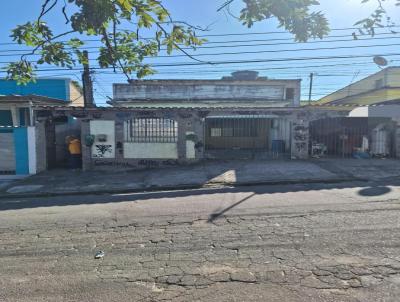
column 15, row 109
column 15, row 100
column 28, row 147
column 381, row 87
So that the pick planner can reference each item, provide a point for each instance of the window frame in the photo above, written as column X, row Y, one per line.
column 151, row 130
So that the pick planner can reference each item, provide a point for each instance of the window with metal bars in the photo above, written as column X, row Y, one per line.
column 151, row 130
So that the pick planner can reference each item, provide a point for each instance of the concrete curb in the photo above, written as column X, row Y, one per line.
column 210, row 185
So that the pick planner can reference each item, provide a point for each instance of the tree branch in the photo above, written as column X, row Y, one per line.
column 44, row 10
column 227, row 3
column 46, row 41
column 112, row 52
column 180, row 48
column 64, row 11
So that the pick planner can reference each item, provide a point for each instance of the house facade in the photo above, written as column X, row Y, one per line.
column 24, row 148
column 240, row 134
column 244, row 89
column 381, row 87
column 161, row 123
column 169, row 122
column 15, row 100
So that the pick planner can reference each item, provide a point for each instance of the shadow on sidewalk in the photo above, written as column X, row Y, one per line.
column 367, row 189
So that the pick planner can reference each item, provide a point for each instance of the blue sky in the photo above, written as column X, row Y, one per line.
column 330, row 74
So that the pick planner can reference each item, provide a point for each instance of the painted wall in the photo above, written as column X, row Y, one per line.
column 53, row 88
column 390, row 111
column 32, row 156
column 76, row 96
column 103, row 149
column 190, row 147
column 151, row 150
column 393, row 77
column 21, row 151
column 389, row 77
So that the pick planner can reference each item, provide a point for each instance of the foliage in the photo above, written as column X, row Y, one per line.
column 120, row 48
column 126, row 49
column 378, row 19
column 298, row 18
column 295, row 16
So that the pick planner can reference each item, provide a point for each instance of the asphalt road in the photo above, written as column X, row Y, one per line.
column 277, row 243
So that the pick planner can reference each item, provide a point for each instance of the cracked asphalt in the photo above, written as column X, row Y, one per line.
column 332, row 242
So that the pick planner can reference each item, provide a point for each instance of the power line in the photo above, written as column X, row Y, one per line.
column 216, row 47
column 243, row 62
column 228, row 34
column 267, row 51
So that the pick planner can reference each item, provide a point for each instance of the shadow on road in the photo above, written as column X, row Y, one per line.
column 215, row 216
column 375, row 191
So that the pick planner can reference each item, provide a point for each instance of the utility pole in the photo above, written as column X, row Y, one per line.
column 311, row 87
column 87, row 83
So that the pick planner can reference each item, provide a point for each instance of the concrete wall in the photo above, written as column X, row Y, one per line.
column 300, row 139
column 190, row 142
column 151, row 150
column 41, row 149
column 215, row 90
column 100, row 148
column 392, row 111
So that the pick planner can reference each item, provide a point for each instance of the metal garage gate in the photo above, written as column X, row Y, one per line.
column 252, row 137
column 7, row 152
column 352, row 137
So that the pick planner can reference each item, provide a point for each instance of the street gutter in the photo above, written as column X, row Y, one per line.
column 209, row 185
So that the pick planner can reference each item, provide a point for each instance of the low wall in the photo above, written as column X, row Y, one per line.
column 151, row 150
column 112, row 148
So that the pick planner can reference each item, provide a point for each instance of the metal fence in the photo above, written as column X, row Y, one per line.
column 151, row 130
column 352, row 137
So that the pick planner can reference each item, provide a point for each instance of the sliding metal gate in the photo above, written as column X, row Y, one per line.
column 254, row 137
column 355, row 137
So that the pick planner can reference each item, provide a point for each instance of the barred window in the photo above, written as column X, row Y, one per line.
column 151, row 130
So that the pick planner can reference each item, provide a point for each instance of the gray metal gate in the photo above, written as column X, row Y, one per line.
column 7, row 152
column 253, row 137
column 356, row 137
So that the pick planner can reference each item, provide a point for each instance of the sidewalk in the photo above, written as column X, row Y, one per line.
column 207, row 174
